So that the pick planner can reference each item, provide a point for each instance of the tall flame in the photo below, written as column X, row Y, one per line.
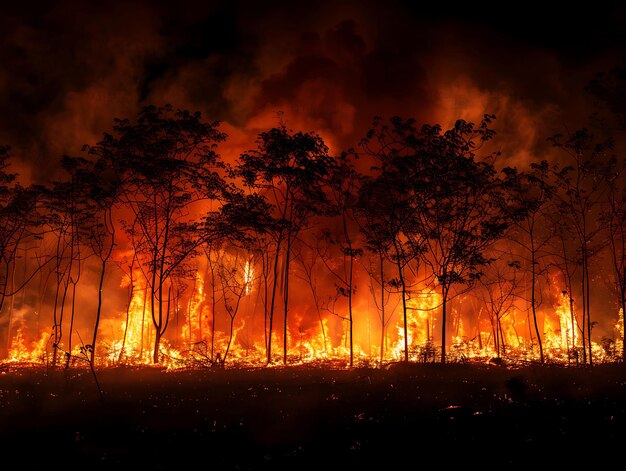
column 191, row 344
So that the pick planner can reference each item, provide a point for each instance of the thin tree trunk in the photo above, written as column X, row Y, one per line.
column 271, row 316
column 189, row 313
column 57, row 323
column 495, row 337
column 584, row 319
column 382, row 309
column 346, row 236
column 130, row 300
column 350, row 310
column 159, row 325
column 264, row 267
column 502, row 341
column 11, row 304
column 64, row 297
column 568, row 282
column 403, row 292
column 533, row 300
column 108, row 224
column 623, row 290
column 56, row 330
column 213, row 305
column 444, row 319
column 99, row 311
column 73, row 312
column 286, row 296
column 143, row 322
column 73, row 308
column 587, row 301
column 157, row 345
column 573, row 322
column 230, row 338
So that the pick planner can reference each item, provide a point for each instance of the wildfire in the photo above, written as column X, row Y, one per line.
column 19, row 352
column 619, row 329
column 248, row 276
column 134, row 335
column 420, row 324
column 204, row 338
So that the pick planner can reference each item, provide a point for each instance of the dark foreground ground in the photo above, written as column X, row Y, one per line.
column 300, row 418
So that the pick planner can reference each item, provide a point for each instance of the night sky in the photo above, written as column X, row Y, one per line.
column 68, row 68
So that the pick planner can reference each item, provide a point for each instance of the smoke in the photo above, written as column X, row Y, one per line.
column 69, row 68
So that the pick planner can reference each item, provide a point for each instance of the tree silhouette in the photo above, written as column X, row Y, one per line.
column 528, row 194
column 291, row 169
column 166, row 163
column 98, row 193
column 390, row 203
column 20, row 220
column 463, row 215
column 343, row 187
column 613, row 218
column 498, row 292
column 68, row 208
column 582, row 186
column 423, row 210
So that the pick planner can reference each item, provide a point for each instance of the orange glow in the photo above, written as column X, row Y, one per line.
column 131, row 343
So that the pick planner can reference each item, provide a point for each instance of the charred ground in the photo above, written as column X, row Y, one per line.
column 302, row 418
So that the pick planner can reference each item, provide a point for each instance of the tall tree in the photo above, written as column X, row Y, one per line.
column 292, row 170
column 68, row 208
column 582, row 186
column 93, row 215
column 343, row 187
column 390, row 203
column 166, row 164
column 463, row 216
column 613, row 218
column 528, row 194
column 20, row 220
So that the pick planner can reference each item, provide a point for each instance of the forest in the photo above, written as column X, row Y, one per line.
column 312, row 235
column 416, row 245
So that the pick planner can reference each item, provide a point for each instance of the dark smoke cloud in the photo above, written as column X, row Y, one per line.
column 68, row 68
